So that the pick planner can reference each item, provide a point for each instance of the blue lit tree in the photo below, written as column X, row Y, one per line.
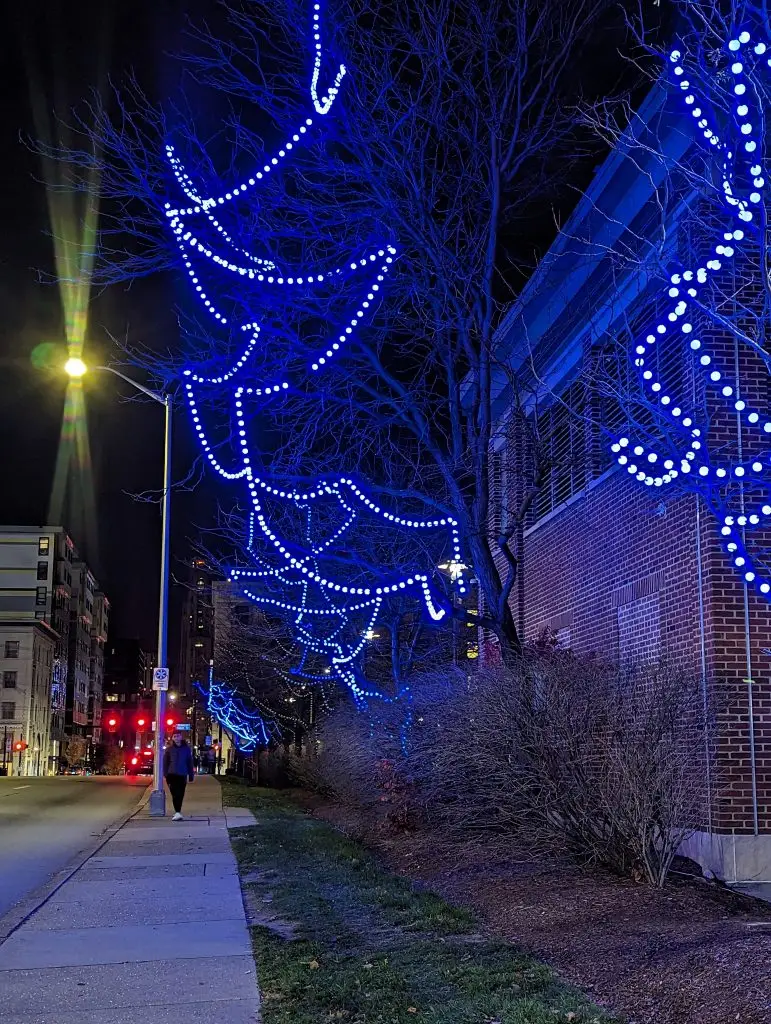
column 298, row 534
column 349, row 245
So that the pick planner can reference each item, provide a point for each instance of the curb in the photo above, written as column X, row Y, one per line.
column 29, row 905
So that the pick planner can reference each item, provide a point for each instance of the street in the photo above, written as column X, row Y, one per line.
column 46, row 822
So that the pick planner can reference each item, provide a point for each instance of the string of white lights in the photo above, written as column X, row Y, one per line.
column 207, row 249
column 685, row 289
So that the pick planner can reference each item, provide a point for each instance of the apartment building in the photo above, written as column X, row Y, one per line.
column 27, row 649
column 99, row 628
column 197, row 640
column 45, row 666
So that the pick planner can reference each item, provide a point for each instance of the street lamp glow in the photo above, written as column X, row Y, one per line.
column 75, row 367
column 454, row 568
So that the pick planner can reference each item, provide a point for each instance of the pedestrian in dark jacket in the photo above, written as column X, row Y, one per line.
column 178, row 770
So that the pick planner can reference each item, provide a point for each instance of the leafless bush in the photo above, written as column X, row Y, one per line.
column 560, row 755
column 345, row 750
column 571, row 757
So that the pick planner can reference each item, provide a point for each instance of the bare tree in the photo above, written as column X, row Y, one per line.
column 458, row 128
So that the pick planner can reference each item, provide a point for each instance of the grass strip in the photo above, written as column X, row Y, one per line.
column 367, row 946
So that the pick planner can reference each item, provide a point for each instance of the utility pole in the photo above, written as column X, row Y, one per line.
column 158, row 795
column 75, row 367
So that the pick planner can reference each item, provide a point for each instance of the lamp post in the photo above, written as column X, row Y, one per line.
column 76, row 368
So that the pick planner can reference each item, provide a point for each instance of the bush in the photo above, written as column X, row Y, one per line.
column 566, row 756
column 344, row 752
column 571, row 757
column 114, row 760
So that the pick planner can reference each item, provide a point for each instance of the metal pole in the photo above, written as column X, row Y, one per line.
column 158, row 796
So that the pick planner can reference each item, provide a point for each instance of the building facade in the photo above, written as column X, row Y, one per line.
column 127, row 713
column 197, row 637
column 608, row 565
column 56, row 674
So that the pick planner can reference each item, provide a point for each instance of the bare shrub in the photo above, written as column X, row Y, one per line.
column 346, row 752
column 568, row 756
column 559, row 755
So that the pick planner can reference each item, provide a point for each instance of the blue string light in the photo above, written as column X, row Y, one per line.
column 248, row 728
column 324, row 608
column 741, row 184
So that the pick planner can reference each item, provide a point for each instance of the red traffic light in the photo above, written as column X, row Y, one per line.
column 170, row 722
column 20, row 745
column 134, row 760
column 112, row 722
column 141, row 722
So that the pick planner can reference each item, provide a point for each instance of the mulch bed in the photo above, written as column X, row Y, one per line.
column 692, row 953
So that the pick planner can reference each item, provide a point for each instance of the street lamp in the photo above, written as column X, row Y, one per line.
column 75, row 367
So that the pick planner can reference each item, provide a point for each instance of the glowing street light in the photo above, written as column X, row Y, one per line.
column 454, row 568
column 75, row 367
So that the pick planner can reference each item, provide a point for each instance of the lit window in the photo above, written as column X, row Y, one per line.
column 43, row 545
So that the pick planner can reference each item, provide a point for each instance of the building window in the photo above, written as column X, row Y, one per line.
column 12, row 648
column 9, row 679
column 41, row 595
column 8, row 710
column 42, row 570
column 43, row 545
column 639, row 632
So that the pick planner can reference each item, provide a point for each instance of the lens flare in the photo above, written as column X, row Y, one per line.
column 73, row 215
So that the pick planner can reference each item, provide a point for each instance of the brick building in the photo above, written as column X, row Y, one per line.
column 637, row 573
column 197, row 635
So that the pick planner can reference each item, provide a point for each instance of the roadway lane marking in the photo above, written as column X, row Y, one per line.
column 14, row 789
column 21, row 787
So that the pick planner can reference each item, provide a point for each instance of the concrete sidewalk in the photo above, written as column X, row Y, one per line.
column 149, row 929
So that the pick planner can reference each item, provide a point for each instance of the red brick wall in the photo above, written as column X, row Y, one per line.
column 623, row 553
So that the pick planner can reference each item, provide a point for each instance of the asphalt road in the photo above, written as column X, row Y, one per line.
column 45, row 823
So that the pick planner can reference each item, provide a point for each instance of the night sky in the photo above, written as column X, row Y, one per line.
column 55, row 43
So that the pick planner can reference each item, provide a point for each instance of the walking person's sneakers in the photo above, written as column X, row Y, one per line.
column 178, row 817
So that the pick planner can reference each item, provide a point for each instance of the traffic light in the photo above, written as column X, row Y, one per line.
column 134, row 760
column 112, row 722
column 141, row 722
column 169, row 723
column 20, row 745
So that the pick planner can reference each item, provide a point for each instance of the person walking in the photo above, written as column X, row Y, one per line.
column 178, row 770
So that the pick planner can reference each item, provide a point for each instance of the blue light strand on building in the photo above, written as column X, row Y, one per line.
column 742, row 193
